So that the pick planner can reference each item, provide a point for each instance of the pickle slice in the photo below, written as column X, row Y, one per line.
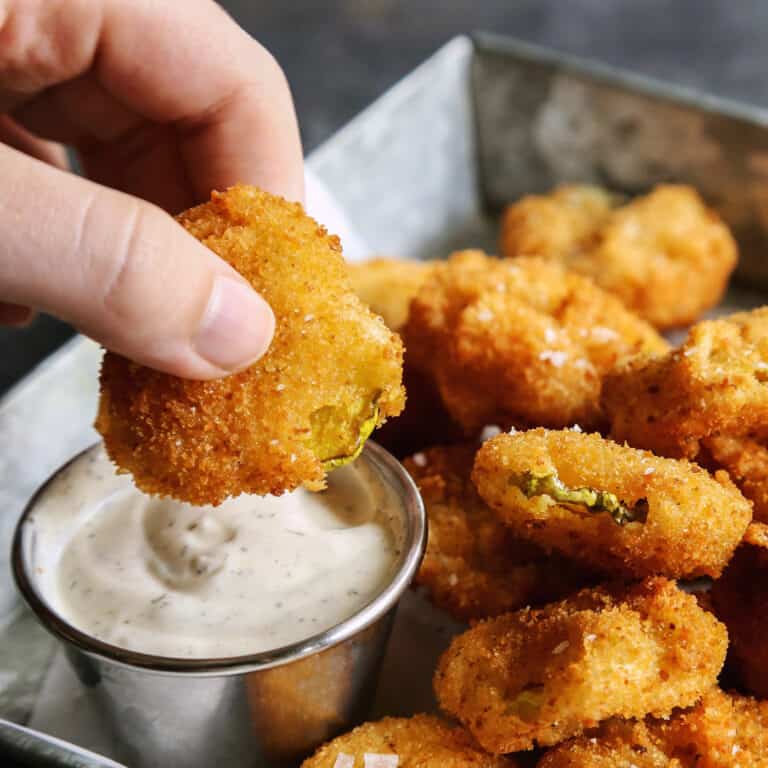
column 339, row 435
column 592, row 500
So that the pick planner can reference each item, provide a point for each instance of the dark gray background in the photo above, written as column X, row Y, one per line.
column 341, row 54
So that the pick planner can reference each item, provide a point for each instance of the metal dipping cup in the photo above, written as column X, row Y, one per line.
column 269, row 709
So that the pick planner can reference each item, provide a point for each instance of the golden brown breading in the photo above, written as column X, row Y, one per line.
column 560, row 226
column 332, row 373
column 474, row 567
column 519, row 341
column 423, row 422
column 715, row 383
column 665, row 255
column 541, row 676
column 618, row 509
column 723, row 731
column 740, row 600
column 421, row 741
column 388, row 285
column 746, row 461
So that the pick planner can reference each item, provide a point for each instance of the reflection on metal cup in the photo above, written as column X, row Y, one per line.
column 268, row 710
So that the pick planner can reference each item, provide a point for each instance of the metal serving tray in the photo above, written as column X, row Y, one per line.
column 422, row 171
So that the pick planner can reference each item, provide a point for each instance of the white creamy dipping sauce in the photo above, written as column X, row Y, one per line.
column 256, row 573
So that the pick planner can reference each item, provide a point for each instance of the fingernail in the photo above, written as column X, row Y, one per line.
column 237, row 326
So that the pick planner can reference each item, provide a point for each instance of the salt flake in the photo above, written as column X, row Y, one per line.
column 344, row 761
column 489, row 431
column 419, row 459
column 373, row 760
column 603, row 335
column 554, row 356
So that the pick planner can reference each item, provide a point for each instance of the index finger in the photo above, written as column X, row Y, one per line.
column 186, row 64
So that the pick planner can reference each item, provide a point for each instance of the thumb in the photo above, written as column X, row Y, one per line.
column 125, row 273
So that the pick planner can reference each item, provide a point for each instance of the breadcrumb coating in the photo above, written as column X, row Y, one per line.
column 665, row 255
column 388, row 285
column 332, row 373
column 537, row 677
column 422, row 741
column 686, row 522
column 740, row 600
column 723, row 731
column 746, row 461
column 716, row 383
column 474, row 567
column 561, row 226
column 521, row 341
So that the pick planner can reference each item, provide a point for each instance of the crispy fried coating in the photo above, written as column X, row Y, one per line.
column 561, row 226
column 715, row 383
column 618, row 509
column 332, row 373
column 746, row 461
column 519, row 341
column 422, row 741
column 474, row 567
column 388, row 285
column 723, row 731
column 537, row 677
column 423, row 422
column 740, row 600
column 665, row 255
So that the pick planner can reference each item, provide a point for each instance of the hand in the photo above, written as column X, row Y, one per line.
column 164, row 101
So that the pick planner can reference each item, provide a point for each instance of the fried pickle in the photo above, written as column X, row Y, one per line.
column 740, row 600
column 521, row 341
column 715, row 383
column 332, row 373
column 474, row 567
column 388, row 285
column 421, row 741
column 618, row 509
column 746, row 461
column 537, row 677
column 561, row 226
column 665, row 255
column 723, row 731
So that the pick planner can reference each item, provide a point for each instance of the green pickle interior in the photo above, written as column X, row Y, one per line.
column 592, row 500
column 339, row 434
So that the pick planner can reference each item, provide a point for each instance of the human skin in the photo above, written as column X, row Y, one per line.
column 162, row 102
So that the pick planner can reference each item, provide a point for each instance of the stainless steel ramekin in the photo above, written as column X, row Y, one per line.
column 265, row 710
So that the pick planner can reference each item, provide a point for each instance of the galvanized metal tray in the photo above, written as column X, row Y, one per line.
column 422, row 171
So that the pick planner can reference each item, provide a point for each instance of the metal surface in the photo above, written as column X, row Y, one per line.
column 544, row 118
column 267, row 709
column 423, row 170
column 26, row 748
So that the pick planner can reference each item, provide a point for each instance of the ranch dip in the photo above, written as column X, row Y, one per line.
column 166, row 578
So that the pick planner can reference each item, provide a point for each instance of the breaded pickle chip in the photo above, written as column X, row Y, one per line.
column 723, row 731
column 740, row 600
column 746, row 461
column 421, row 741
column 521, row 341
column 715, row 383
column 561, row 226
column 537, row 677
column 616, row 508
column 332, row 373
column 388, row 285
column 665, row 255
column 474, row 567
